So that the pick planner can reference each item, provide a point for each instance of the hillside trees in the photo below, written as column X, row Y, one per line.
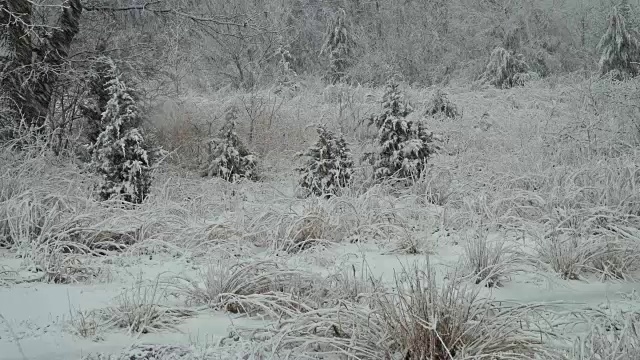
column 338, row 47
column 620, row 48
column 33, row 56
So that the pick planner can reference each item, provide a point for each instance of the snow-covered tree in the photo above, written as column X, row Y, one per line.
column 328, row 165
column 338, row 46
column 287, row 77
column 119, row 154
column 227, row 157
column 619, row 48
column 506, row 70
column 404, row 145
column 97, row 96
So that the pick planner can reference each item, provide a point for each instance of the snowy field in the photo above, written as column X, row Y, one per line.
column 521, row 242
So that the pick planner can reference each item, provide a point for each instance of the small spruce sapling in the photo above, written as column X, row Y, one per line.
column 119, row 154
column 619, row 48
column 338, row 46
column 404, row 145
column 227, row 157
column 328, row 166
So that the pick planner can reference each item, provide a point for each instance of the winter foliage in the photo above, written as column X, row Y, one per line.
column 404, row 145
column 440, row 105
column 506, row 70
column 328, row 166
column 119, row 154
column 227, row 157
column 619, row 48
column 97, row 96
column 338, row 46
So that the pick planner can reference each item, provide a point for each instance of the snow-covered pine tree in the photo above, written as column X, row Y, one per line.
column 119, row 154
column 505, row 70
column 97, row 96
column 328, row 165
column 338, row 46
column 227, row 157
column 619, row 48
column 404, row 145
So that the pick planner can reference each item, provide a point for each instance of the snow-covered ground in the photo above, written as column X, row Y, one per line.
column 511, row 177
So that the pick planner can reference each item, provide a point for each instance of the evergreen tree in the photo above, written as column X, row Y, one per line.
column 119, row 154
column 97, row 96
column 227, row 157
column 328, row 166
column 620, row 48
column 338, row 46
column 404, row 145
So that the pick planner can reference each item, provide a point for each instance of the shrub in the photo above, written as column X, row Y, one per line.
column 619, row 48
column 441, row 105
column 328, row 166
column 338, row 46
column 227, row 157
column 506, row 70
column 404, row 145
column 119, row 154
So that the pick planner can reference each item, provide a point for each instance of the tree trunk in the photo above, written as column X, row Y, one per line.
column 29, row 72
column 15, row 54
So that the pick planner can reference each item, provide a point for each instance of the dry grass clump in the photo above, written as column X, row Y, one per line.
column 351, row 284
column 139, row 310
column 86, row 324
column 435, row 186
column 618, row 340
column 452, row 321
column 489, row 261
column 589, row 239
column 422, row 320
column 308, row 230
column 255, row 287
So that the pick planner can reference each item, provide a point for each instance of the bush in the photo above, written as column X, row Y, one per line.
column 227, row 157
column 404, row 145
column 506, row 70
column 620, row 49
column 119, row 154
column 328, row 166
column 440, row 104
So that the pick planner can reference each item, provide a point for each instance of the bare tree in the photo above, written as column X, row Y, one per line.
column 32, row 56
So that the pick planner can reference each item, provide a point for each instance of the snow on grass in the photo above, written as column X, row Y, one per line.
column 534, row 191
